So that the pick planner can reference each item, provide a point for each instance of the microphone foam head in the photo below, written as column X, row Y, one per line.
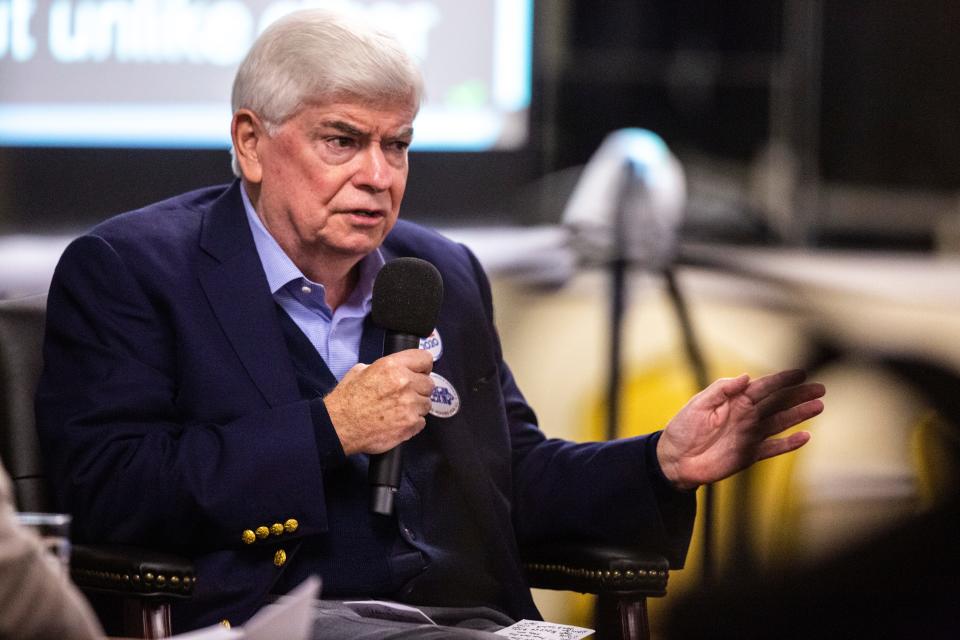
column 406, row 297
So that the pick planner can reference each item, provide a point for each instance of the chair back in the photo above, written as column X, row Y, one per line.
column 21, row 360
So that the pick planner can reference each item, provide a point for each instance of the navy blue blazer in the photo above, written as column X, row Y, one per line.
column 170, row 415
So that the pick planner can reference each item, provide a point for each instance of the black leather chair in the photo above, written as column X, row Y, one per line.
column 132, row 589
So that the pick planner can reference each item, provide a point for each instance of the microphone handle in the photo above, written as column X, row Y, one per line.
column 384, row 472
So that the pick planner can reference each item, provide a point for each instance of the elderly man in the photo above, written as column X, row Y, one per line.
column 213, row 384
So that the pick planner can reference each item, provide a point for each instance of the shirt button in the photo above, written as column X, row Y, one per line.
column 407, row 531
column 306, row 289
column 280, row 557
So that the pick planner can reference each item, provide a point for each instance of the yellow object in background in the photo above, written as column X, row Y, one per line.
column 877, row 452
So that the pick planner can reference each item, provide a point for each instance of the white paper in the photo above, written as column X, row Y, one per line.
column 540, row 630
column 290, row 618
column 389, row 611
column 216, row 632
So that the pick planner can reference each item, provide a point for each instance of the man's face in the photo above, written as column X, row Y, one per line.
column 332, row 178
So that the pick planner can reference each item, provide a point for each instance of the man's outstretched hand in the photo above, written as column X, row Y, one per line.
column 730, row 425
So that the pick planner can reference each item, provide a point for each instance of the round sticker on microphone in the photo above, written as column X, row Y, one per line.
column 444, row 401
column 433, row 344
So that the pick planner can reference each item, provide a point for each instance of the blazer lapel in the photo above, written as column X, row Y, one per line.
column 233, row 280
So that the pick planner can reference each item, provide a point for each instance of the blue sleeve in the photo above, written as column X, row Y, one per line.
column 610, row 492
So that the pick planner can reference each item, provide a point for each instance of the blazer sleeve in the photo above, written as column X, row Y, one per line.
column 597, row 491
column 123, row 455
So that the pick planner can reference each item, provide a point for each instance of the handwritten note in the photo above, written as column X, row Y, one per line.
column 539, row 630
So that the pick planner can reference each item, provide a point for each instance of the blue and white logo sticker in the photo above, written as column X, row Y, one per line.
column 444, row 401
column 433, row 344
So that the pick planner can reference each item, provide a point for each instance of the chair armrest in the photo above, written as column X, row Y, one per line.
column 131, row 571
column 595, row 568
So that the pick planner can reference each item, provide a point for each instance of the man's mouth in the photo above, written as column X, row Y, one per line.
column 366, row 213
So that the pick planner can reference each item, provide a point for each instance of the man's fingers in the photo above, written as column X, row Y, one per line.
column 420, row 363
column 762, row 387
column 790, row 397
column 791, row 417
column 425, row 407
column 778, row 446
column 415, row 359
column 423, row 385
column 723, row 389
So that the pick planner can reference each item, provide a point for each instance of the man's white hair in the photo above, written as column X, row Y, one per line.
column 316, row 56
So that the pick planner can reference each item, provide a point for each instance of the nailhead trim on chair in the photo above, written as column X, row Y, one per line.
column 138, row 583
column 596, row 569
column 596, row 574
column 628, row 580
column 146, row 574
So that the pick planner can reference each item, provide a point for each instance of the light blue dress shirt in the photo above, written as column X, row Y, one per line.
column 334, row 334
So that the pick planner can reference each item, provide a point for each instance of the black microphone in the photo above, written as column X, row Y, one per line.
column 406, row 302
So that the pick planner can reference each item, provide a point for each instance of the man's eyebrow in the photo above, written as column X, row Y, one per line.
column 344, row 127
column 350, row 130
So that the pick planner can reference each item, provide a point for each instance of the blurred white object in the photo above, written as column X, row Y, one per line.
column 539, row 256
column 27, row 263
column 629, row 201
column 53, row 531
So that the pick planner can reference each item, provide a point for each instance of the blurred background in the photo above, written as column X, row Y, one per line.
column 820, row 145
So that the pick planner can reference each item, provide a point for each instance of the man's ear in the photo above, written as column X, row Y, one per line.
column 247, row 131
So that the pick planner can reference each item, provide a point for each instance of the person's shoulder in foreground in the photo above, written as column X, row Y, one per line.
column 37, row 599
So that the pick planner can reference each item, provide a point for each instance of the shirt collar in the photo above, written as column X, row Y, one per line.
column 281, row 271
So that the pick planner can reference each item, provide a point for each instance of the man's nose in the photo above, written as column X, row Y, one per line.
column 374, row 172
